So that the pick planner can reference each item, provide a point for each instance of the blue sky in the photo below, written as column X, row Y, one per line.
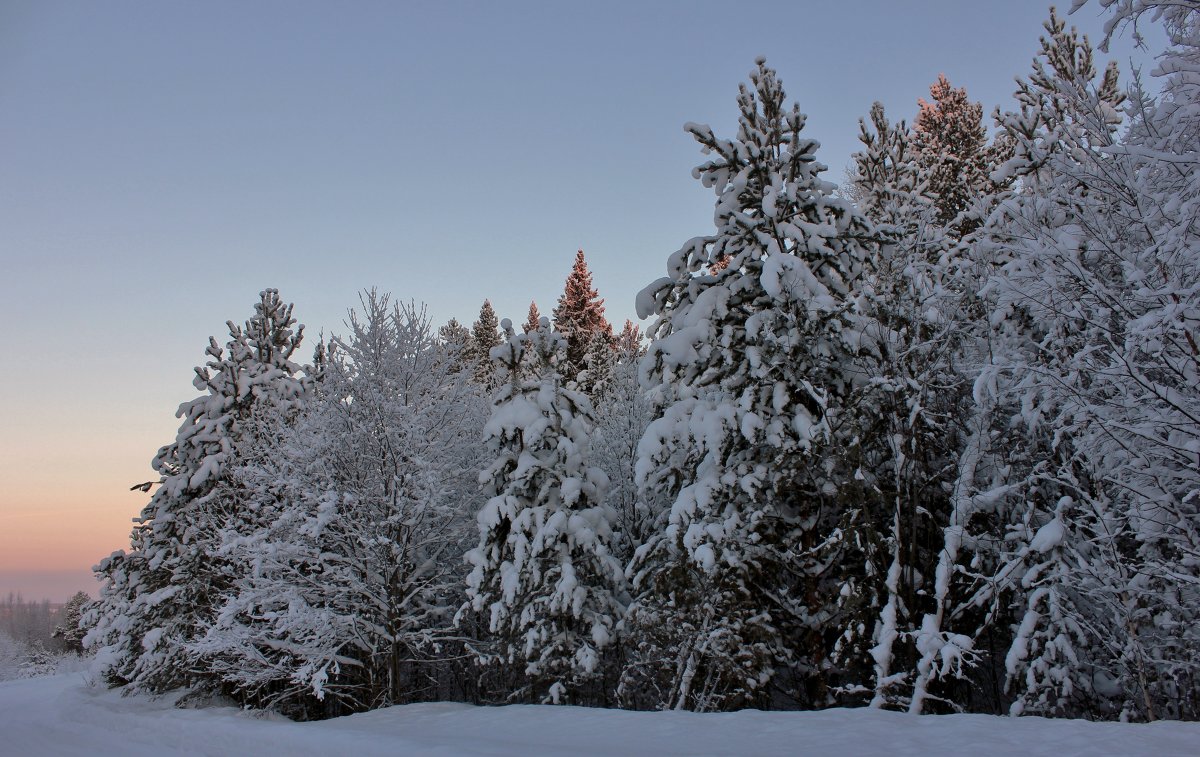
column 164, row 161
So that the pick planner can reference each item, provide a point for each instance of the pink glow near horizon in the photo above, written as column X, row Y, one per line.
column 60, row 517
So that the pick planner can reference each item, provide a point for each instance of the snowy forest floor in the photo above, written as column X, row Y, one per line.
column 62, row 715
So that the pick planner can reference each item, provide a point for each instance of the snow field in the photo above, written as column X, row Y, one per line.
column 63, row 715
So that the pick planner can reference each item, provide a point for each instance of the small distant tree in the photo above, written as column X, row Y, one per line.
column 485, row 335
column 629, row 342
column 533, row 320
column 454, row 333
column 455, row 338
column 38, row 661
column 579, row 317
column 530, row 365
column 68, row 629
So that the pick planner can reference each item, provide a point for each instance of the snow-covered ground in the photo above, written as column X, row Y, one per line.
column 61, row 715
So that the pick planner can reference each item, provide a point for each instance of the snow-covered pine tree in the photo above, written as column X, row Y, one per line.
column 579, row 317
column 953, row 150
column 485, row 335
column 892, row 183
column 355, row 576
column 163, row 592
column 749, row 362
column 629, row 342
column 455, row 339
column 928, row 191
column 906, row 433
column 533, row 319
column 543, row 576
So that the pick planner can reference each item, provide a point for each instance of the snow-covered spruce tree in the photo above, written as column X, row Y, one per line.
column 456, row 339
column 905, row 432
column 579, row 317
column 355, row 575
column 750, row 363
column 543, row 576
column 1098, row 300
column 164, row 591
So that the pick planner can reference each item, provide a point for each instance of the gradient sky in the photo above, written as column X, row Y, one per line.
column 161, row 162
